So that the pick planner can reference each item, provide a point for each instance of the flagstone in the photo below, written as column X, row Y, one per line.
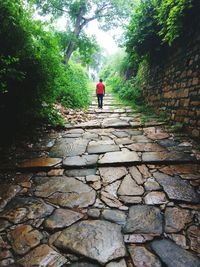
column 120, row 263
column 43, row 256
column 166, row 157
column 111, row 174
column 8, row 192
column 173, row 255
column 177, row 188
column 176, row 219
column 96, row 239
column 155, row 198
column 119, row 157
column 23, row 209
column 68, row 147
column 152, row 147
column 137, row 176
column 144, row 219
column 115, row 216
column 114, row 122
column 80, row 172
column 98, row 147
column 23, row 238
column 80, row 161
column 142, row 257
column 129, row 187
column 39, row 163
column 193, row 234
column 62, row 218
column 66, row 192
column 130, row 199
column 138, row 238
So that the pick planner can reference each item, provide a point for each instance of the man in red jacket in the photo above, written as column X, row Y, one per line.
column 100, row 91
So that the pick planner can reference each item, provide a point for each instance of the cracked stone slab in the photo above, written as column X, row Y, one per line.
column 43, row 256
column 98, row 147
column 65, row 191
column 80, row 161
column 176, row 188
column 142, row 257
column 68, row 147
column 99, row 240
column 119, row 157
column 129, row 187
column 137, row 176
column 144, row 219
column 23, row 209
column 112, row 174
column 62, row 218
column 39, row 163
column 163, row 157
column 173, row 255
column 23, row 238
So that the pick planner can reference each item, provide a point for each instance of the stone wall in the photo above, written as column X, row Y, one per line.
column 173, row 86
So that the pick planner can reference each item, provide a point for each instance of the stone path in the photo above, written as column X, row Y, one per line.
column 111, row 192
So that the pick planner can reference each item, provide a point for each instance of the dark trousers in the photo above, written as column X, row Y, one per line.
column 100, row 100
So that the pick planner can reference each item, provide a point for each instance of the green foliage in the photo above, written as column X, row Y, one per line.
column 32, row 75
column 74, row 92
column 155, row 24
column 142, row 35
column 169, row 15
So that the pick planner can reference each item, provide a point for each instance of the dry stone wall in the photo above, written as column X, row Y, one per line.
column 173, row 86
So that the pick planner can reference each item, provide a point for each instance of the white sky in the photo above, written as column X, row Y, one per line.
column 104, row 39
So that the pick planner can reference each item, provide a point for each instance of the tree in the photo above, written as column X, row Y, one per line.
column 79, row 13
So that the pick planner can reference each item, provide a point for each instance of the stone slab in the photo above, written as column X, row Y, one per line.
column 62, row 218
column 142, row 257
column 129, row 187
column 114, row 122
column 65, row 191
column 177, row 189
column 111, row 174
column 144, row 219
column 43, row 256
column 68, row 147
column 23, row 238
column 80, row 161
column 98, row 147
column 173, row 255
column 23, row 209
column 166, row 157
column 98, row 240
column 39, row 163
column 115, row 216
column 119, row 157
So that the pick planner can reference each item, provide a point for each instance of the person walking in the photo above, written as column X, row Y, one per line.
column 100, row 92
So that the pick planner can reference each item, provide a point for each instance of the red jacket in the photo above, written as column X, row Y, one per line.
column 100, row 89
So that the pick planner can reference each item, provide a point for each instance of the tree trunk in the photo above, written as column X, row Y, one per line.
column 77, row 29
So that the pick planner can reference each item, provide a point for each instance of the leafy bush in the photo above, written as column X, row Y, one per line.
column 74, row 87
column 156, row 24
column 32, row 75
